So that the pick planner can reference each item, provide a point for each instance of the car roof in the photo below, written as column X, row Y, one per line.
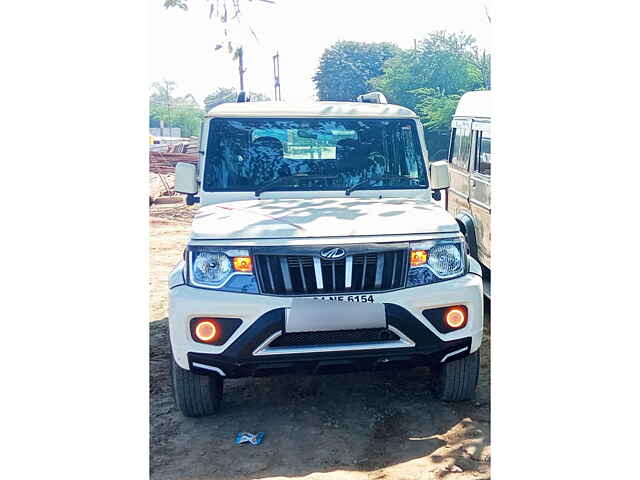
column 310, row 109
column 475, row 104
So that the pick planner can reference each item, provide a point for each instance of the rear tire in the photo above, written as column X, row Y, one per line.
column 456, row 381
column 196, row 395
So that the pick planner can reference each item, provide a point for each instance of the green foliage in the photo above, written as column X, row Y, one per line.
column 229, row 95
column 346, row 68
column 436, row 111
column 435, row 108
column 182, row 112
column 181, row 4
column 447, row 63
column 221, row 95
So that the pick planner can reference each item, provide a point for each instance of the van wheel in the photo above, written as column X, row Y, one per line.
column 196, row 395
column 457, row 380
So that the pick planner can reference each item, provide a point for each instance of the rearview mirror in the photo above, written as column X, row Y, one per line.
column 439, row 175
column 186, row 178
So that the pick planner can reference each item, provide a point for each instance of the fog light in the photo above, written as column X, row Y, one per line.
column 242, row 264
column 206, row 330
column 455, row 317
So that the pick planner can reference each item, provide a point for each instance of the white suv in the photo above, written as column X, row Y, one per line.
column 318, row 248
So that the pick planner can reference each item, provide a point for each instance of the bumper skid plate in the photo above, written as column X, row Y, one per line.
column 239, row 360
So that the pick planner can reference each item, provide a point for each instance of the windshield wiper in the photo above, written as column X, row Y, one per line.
column 277, row 181
column 376, row 179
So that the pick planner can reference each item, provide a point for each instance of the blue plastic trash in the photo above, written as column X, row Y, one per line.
column 252, row 438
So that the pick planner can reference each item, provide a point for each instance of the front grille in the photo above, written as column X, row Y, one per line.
column 335, row 337
column 309, row 274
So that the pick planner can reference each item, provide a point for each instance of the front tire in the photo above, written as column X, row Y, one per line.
column 196, row 395
column 456, row 381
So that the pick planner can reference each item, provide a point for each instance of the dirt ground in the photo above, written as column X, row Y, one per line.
column 370, row 426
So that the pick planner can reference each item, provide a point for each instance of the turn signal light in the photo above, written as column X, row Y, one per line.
column 242, row 264
column 206, row 330
column 455, row 317
column 418, row 257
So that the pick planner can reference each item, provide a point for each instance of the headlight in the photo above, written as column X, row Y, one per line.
column 227, row 270
column 211, row 268
column 437, row 260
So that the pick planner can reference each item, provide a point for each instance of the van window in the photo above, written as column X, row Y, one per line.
column 484, row 153
column 460, row 149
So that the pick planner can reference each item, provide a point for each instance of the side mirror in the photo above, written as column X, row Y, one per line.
column 439, row 175
column 186, row 178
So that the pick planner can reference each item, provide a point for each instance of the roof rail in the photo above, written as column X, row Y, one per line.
column 243, row 97
column 372, row 97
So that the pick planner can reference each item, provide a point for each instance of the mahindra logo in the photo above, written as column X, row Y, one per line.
column 333, row 253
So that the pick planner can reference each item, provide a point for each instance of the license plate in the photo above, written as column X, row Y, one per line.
column 311, row 315
column 348, row 298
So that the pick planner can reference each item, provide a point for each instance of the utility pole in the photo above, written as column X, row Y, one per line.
column 166, row 83
column 276, row 77
column 241, row 69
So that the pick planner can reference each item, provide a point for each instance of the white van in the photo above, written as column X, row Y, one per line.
column 469, row 196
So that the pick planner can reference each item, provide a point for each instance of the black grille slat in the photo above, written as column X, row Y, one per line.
column 302, row 274
column 271, row 274
column 395, row 261
column 333, row 274
column 304, row 282
column 296, row 274
column 325, row 268
column 286, row 275
column 403, row 262
column 341, row 270
column 272, row 283
column 334, row 337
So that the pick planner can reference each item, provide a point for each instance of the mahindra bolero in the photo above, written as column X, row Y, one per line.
column 317, row 247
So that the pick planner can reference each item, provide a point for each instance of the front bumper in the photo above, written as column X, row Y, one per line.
column 263, row 315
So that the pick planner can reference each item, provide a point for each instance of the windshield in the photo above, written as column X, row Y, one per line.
column 312, row 154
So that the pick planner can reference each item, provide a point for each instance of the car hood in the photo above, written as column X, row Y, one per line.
column 322, row 217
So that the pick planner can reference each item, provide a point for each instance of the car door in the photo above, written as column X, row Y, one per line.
column 480, row 189
column 459, row 155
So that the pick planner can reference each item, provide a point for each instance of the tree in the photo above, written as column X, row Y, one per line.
column 181, row 112
column 436, row 108
column 346, row 68
column 436, row 111
column 447, row 63
column 229, row 95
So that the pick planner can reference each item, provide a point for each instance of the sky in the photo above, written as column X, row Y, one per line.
column 182, row 43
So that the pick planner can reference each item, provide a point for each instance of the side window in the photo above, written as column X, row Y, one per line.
column 484, row 153
column 453, row 145
column 460, row 150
